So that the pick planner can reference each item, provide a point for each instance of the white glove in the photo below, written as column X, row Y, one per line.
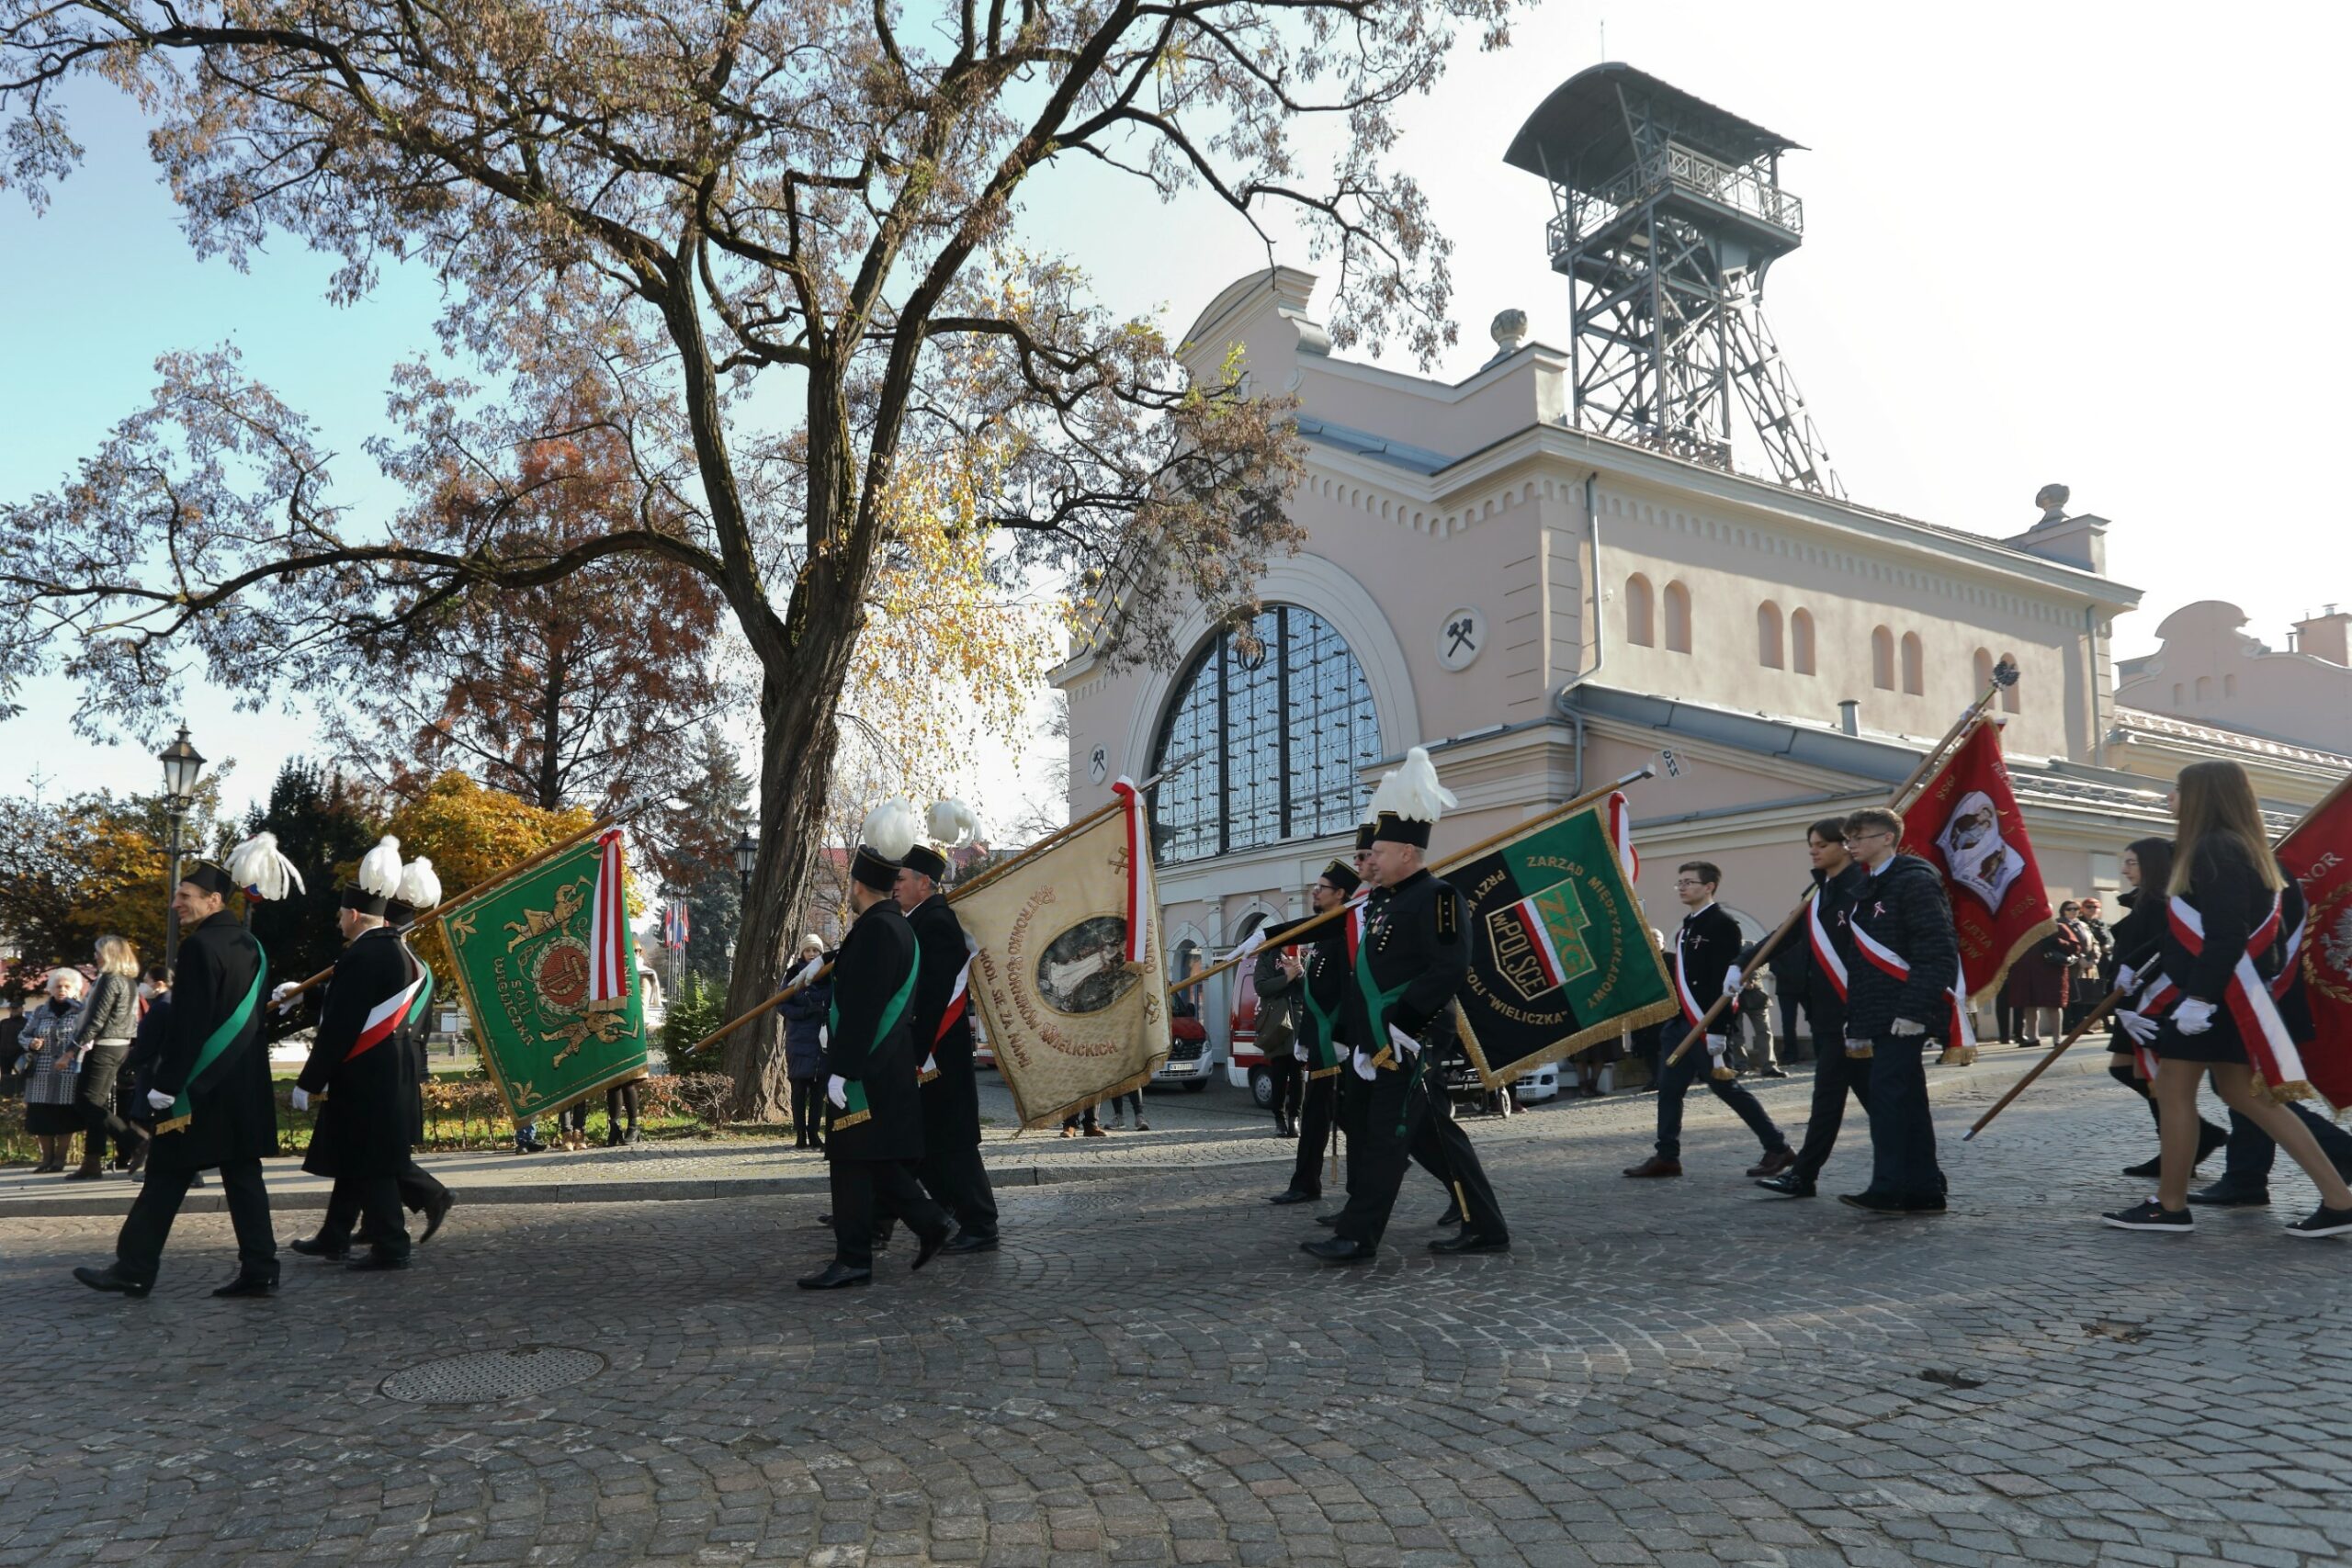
column 2138, row 1025
column 2193, row 1016
column 159, row 1101
column 1298, row 1052
column 1250, row 944
column 1365, row 1069
column 299, row 1098
column 2124, row 977
column 279, row 993
column 837, row 1091
column 1717, row 1045
column 1903, row 1028
column 808, row 970
column 1732, row 981
column 1404, row 1043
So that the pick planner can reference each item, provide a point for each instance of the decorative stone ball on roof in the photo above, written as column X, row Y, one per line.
column 2052, row 500
column 1509, row 330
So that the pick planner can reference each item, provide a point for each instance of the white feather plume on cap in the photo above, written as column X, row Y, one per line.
column 260, row 870
column 1412, row 792
column 892, row 828
column 379, row 869
column 952, row 823
column 420, row 884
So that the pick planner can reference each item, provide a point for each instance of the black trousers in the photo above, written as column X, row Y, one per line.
column 1674, row 1082
column 807, row 1111
column 378, row 1199
column 138, row 1248
column 1835, row 1075
column 1318, row 1109
column 2252, row 1151
column 958, row 1181
column 419, row 1189
column 1390, row 1124
column 868, row 1192
column 1903, row 1132
column 1287, row 1074
column 94, row 1098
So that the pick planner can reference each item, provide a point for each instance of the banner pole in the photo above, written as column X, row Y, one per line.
column 2004, row 676
column 1520, row 829
column 2019, row 1087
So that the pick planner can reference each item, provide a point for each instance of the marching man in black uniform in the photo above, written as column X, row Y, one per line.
column 1409, row 962
column 1826, row 947
column 363, row 1067
column 1706, row 959
column 210, row 1091
column 420, row 1190
column 875, row 1139
column 952, row 1171
column 1317, row 986
column 1898, row 997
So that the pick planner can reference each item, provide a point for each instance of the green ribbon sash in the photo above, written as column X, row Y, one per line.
column 215, row 1044
column 858, row 1110
column 1322, row 1053
column 1377, row 1002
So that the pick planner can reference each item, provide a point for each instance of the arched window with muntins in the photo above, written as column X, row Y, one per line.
column 1882, row 659
column 2009, row 692
column 1678, row 618
column 1801, row 641
column 1768, row 635
column 1915, row 663
column 1640, row 627
column 1267, row 740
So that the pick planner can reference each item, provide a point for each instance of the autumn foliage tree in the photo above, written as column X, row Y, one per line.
column 764, row 232
column 471, row 834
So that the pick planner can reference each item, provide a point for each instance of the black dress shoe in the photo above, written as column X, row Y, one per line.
column 2221, row 1195
column 434, row 1213
column 377, row 1262
column 1788, row 1184
column 1283, row 1200
column 833, row 1275
column 2146, row 1170
column 1327, row 1221
column 824, row 1222
column 1466, row 1242
column 927, row 1247
column 1881, row 1203
column 1452, row 1216
column 1339, row 1249
column 313, row 1246
column 251, row 1284
column 965, row 1241
column 112, row 1279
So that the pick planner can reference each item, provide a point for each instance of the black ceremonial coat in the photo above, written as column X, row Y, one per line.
column 865, row 1046
column 233, row 1108
column 951, row 1102
column 363, row 1060
column 1415, row 936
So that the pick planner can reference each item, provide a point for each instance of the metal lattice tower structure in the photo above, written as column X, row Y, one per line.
column 1667, row 211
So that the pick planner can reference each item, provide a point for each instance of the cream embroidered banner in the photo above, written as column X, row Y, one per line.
column 1069, row 990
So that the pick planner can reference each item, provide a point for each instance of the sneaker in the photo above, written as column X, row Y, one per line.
column 2153, row 1217
column 1142, row 1125
column 2322, row 1221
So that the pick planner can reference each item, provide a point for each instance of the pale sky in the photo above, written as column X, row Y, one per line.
column 2070, row 243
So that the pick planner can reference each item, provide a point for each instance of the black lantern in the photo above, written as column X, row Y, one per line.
column 183, row 764
column 747, row 856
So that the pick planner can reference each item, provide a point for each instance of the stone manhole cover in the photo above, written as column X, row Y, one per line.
column 480, row 1377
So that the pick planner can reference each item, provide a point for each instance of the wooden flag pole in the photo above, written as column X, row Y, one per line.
column 1473, row 853
column 537, row 861
column 1928, row 764
column 2096, row 1015
column 1060, row 835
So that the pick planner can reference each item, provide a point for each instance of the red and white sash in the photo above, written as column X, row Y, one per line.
column 1825, row 952
column 1621, row 833
column 1138, row 900
column 2284, row 981
column 2260, row 1029
column 1691, row 1012
column 1959, row 1032
column 385, row 1015
column 959, row 1001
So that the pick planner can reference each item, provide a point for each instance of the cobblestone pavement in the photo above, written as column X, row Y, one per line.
column 1685, row 1372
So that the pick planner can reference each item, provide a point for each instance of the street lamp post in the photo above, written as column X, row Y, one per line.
column 182, row 764
column 747, row 856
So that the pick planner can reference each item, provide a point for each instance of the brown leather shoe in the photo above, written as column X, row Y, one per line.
column 1656, row 1165
column 1774, row 1163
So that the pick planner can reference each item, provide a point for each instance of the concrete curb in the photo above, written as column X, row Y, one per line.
column 113, row 1197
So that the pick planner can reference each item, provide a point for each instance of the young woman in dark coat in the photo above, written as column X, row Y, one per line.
column 804, row 1049
column 2139, row 940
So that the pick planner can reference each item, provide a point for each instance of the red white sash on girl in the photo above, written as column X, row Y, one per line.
column 1825, row 952
column 1138, row 846
column 385, row 1015
column 2157, row 995
column 608, row 943
column 1959, row 1032
column 2288, row 971
column 1621, row 833
column 2260, row 1029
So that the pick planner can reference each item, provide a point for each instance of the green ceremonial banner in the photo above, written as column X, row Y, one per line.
column 1561, row 956
column 522, row 955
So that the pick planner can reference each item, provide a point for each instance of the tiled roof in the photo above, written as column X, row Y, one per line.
column 2170, row 728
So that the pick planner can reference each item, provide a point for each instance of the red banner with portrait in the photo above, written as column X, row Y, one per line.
column 1965, row 823
column 2319, row 854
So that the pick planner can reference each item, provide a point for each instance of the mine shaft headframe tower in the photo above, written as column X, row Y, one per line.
column 1666, row 212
